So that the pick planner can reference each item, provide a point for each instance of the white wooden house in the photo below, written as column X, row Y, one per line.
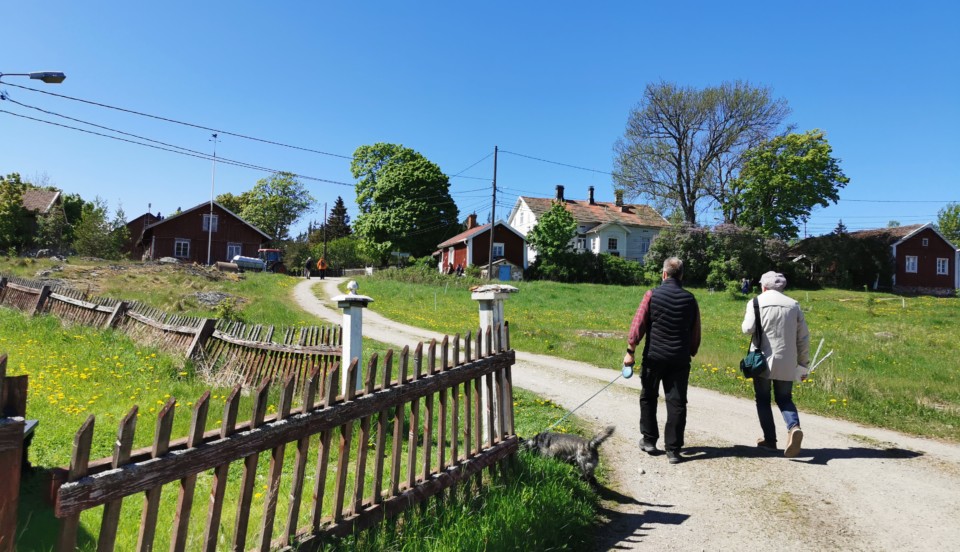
column 623, row 230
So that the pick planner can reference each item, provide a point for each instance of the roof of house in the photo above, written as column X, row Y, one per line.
column 200, row 206
column 889, row 235
column 916, row 230
column 38, row 200
column 475, row 231
column 601, row 212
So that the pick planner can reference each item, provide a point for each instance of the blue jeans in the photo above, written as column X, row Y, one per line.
column 783, row 394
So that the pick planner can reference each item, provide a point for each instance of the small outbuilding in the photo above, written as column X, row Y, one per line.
column 472, row 246
column 926, row 262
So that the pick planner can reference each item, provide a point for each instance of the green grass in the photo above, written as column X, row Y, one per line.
column 262, row 298
column 77, row 371
column 896, row 361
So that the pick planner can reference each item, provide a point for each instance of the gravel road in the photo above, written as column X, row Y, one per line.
column 852, row 487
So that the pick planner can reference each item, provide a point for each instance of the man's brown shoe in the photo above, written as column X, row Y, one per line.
column 762, row 443
column 794, row 438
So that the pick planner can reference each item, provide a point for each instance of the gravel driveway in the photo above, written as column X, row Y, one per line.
column 852, row 488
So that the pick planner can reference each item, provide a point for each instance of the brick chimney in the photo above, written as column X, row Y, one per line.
column 559, row 193
column 471, row 221
column 590, row 191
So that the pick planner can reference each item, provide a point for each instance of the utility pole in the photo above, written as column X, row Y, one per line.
column 213, row 180
column 493, row 215
column 324, row 230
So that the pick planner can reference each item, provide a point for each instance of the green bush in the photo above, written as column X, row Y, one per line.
column 619, row 271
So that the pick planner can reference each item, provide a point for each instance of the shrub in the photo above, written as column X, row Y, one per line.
column 619, row 271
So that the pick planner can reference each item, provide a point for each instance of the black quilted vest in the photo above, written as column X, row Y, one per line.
column 673, row 311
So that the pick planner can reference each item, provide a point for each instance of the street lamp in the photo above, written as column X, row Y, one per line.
column 49, row 77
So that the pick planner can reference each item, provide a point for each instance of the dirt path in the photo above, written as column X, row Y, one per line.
column 852, row 488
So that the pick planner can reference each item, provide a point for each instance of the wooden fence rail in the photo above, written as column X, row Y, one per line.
column 436, row 400
column 229, row 352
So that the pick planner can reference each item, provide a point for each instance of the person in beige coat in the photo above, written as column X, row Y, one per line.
column 786, row 344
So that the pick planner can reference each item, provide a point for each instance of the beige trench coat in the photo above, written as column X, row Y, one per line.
column 786, row 339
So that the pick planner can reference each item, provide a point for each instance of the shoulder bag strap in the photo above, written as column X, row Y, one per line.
column 758, row 329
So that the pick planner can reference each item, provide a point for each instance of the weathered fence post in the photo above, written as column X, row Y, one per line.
column 352, row 305
column 11, row 453
column 203, row 333
column 44, row 294
column 490, row 299
column 116, row 315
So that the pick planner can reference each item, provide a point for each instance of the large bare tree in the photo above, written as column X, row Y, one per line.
column 683, row 146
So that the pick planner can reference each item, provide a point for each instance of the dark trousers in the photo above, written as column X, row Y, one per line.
column 674, row 379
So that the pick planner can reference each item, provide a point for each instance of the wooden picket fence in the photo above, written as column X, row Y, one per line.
column 412, row 434
column 229, row 352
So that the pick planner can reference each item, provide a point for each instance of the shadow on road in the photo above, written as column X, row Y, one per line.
column 807, row 456
column 624, row 530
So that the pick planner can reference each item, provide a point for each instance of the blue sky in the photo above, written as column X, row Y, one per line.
column 551, row 80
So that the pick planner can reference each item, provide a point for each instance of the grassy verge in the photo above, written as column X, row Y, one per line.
column 77, row 371
column 896, row 361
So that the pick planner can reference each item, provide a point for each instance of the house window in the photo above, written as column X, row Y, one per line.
column 181, row 248
column 911, row 264
column 925, row 241
column 209, row 220
column 233, row 249
column 520, row 218
column 497, row 250
column 612, row 244
column 943, row 266
column 644, row 245
column 581, row 243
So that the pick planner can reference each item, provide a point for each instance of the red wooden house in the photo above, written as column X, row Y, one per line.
column 191, row 234
column 926, row 262
column 472, row 246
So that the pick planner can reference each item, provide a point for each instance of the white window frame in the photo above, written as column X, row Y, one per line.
column 498, row 252
column 925, row 241
column 644, row 245
column 943, row 266
column 581, row 243
column 207, row 217
column 910, row 264
column 179, row 243
column 238, row 247
column 613, row 244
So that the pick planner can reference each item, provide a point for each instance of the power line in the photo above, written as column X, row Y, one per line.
column 487, row 156
column 556, row 162
column 166, row 119
column 184, row 151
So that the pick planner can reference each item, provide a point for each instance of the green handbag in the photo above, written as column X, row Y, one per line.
column 755, row 363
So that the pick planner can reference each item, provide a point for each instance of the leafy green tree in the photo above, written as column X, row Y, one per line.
column 342, row 252
column 683, row 144
column 783, row 179
column 275, row 203
column 98, row 236
column 404, row 201
column 13, row 217
column 948, row 222
column 893, row 224
column 553, row 233
column 52, row 230
column 234, row 203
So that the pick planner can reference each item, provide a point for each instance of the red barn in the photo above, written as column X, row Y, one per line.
column 926, row 262
column 472, row 246
column 189, row 234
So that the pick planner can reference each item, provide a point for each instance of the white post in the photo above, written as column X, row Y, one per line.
column 352, row 325
column 490, row 299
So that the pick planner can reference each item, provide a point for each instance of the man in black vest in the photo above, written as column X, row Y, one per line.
column 670, row 318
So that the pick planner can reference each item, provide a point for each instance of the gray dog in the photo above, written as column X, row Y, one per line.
column 572, row 449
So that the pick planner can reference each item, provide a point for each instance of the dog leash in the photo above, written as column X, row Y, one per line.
column 625, row 373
